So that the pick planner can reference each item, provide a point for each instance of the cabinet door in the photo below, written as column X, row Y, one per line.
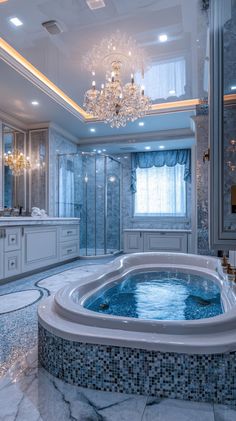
column 133, row 242
column 222, row 114
column 12, row 263
column 40, row 247
column 1, row 253
column 162, row 241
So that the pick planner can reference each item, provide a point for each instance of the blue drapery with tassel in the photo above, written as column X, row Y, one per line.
column 159, row 159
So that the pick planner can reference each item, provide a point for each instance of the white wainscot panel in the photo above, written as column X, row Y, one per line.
column 133, row 242
column 176, row 242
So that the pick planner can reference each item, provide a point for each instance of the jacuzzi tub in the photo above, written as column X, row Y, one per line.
column 69, row 316
column 73, row 340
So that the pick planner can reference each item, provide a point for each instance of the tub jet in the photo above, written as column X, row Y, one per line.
column 104, row 306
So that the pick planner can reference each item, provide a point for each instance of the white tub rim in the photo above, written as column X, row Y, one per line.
column 76, row 312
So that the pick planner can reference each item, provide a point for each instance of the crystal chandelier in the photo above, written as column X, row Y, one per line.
column 116, row 103
column 17, row 162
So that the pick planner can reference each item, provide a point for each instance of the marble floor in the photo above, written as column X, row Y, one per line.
column 29, row 393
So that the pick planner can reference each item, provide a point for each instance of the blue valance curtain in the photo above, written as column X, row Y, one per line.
column 159, row 159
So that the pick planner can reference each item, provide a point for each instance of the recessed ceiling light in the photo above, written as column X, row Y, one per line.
column 94, row 150
column 35, row 103
column 172, row 92
column 125, row 157
column 161, row 147
column 99, row 151
column 104, row 150
column 163, row 38
column 233, row 88
column 92, row 130
column 95, row 4
column 16, row 21
column 147, row 148
column 141, row 123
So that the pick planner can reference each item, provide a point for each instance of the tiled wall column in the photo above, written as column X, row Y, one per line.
column 202, row 181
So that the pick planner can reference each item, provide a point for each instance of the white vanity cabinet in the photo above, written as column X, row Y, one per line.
column 34, row 244
column 40, row 247
column 155, row 241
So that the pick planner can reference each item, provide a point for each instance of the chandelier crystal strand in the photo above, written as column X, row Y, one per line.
column 17, row 162
column 116, row 104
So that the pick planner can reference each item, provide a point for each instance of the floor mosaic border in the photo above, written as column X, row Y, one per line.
column 203, row 378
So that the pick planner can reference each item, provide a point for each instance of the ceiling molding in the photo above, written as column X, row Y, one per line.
column 64, row 133
column 139, row 137
column 30, row 72
column 37, row 78
column 12, row 121
column 37, row 126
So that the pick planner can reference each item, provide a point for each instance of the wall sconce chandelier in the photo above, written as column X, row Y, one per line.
column 116, row 103
column 17, row 162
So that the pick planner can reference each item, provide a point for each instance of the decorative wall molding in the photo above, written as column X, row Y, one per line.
column 56, row 127
column 64, row 133
column 12, row 121
column 140, row 137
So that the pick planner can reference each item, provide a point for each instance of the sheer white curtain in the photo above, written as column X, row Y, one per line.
column 161, row 191
column 164, row 79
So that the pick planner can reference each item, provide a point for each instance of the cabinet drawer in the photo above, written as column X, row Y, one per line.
column 12, row 239
column 12, row 263
column 69, row 233
column 69, row 250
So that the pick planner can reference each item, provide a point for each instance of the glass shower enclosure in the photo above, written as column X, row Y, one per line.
column 89, row 189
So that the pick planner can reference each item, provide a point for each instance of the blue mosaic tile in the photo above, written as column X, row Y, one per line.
column 203, row 378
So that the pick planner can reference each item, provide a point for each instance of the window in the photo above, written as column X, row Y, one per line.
column 164, row 79
column 160, row 191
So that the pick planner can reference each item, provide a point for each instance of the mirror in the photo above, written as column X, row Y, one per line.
column 14, row 186
column 229, row 118
column 222, row 114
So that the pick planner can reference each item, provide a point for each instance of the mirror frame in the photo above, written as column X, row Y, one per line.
column 219, row 237
column 2, row 186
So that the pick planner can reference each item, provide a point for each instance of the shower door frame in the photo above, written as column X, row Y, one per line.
column 105, row 156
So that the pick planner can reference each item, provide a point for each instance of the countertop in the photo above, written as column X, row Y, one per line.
column 156, row 230
column 29, row 220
